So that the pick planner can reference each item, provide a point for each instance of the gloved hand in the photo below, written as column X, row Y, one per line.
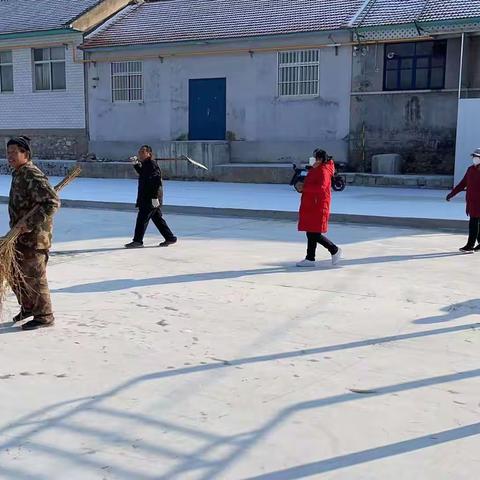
column 449, row 197
column 155, row 203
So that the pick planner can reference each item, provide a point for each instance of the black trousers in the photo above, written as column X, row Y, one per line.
column 143, row 218
column 313, row 239
column 473, row 232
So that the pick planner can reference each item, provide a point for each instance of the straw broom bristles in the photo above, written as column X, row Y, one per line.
column 10, row 272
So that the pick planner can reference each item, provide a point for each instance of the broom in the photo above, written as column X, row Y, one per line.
column 10, row 272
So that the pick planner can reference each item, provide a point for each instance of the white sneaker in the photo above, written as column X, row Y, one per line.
column 337, row 257
column 307, row 263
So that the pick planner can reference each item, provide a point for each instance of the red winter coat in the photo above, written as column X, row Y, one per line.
column 316, row 198
column 470, row 183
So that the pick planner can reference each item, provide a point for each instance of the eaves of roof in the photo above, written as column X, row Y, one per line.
column 38, row 33
column 213, row 41
column 430, row 23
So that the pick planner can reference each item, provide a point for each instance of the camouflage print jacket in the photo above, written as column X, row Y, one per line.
column 30, row 187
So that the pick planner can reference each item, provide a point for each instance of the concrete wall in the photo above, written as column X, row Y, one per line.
column 213, row 153
column 50, row 143
column 262, row 126
column 468, row 128
column 468, row 135
column 210, row 154
column 419, row 125
column 49, row 117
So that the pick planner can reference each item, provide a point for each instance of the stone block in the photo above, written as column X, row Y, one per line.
column 387, row 164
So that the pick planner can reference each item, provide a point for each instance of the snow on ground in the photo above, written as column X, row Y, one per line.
column 389, row 202
column 216, row 359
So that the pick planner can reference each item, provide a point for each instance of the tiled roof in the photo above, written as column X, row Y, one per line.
column 38, row 15
column 393, row 12
column 390, row 12
column 182, row 20
column 450, row 10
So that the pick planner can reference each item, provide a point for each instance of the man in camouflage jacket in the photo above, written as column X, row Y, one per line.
column 30, row 188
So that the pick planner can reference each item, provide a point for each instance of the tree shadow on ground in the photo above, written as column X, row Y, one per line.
column 271, row 269
column 453, row 312
column 365, row 456
column 127, row 283
column 346, row 262
column 9, row 327
column 71, row 253
column 213, row 453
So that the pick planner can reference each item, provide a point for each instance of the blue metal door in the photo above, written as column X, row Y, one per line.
column 207, row 109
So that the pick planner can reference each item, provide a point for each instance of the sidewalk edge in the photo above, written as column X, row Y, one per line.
column 408, row 222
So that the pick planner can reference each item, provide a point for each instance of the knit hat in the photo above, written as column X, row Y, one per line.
column 23, row 142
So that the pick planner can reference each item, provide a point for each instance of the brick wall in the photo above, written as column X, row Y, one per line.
column 27, row 109
column 55, row 120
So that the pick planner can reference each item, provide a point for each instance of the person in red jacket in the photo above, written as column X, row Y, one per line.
column 315, row 208
column 471, row 183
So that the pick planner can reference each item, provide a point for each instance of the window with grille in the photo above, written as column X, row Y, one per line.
column 415, row 66
column 298, row 73
column 127, row 82
column 6, row 71
column 49, row 68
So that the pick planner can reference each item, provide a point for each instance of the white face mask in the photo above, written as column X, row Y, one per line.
column 476, row 161
column 312, row 160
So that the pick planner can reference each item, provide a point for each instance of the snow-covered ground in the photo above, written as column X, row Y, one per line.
column 389, row 202
column 215, row 359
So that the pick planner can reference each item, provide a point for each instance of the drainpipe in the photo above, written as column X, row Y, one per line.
column 460, row 76
column 86, row 94
column 460, row 80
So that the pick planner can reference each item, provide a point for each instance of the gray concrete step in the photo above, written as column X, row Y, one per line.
column 274, row 173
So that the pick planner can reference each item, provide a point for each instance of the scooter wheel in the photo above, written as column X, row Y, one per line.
column 338, row 185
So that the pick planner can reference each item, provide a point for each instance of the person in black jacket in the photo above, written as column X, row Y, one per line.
column 149, row 199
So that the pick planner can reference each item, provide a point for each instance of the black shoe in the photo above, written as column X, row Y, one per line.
column 166, row 243
column 23, row 315
column 134, row 245
column 36, row 324
column 477, row 248
column 467, row 249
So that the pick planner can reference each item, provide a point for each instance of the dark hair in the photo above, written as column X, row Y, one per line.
column 149, row 149
column 321, row 155
column 23, row 144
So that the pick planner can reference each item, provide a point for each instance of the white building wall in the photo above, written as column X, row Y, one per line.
column 27, row 109
column 468, row 135
column 265, row 125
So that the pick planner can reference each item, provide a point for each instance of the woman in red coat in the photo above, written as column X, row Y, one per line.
column 315, row 208
column 471, row 183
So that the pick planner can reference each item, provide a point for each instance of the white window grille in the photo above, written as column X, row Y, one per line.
column 6, row 71
column 49, row 68
column 127, row 81
column 298, row 73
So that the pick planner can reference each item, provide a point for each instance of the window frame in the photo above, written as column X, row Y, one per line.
column 297, row 65
column 4, row 65
column 129, row 74
column 49, row 62
column 414, row 58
